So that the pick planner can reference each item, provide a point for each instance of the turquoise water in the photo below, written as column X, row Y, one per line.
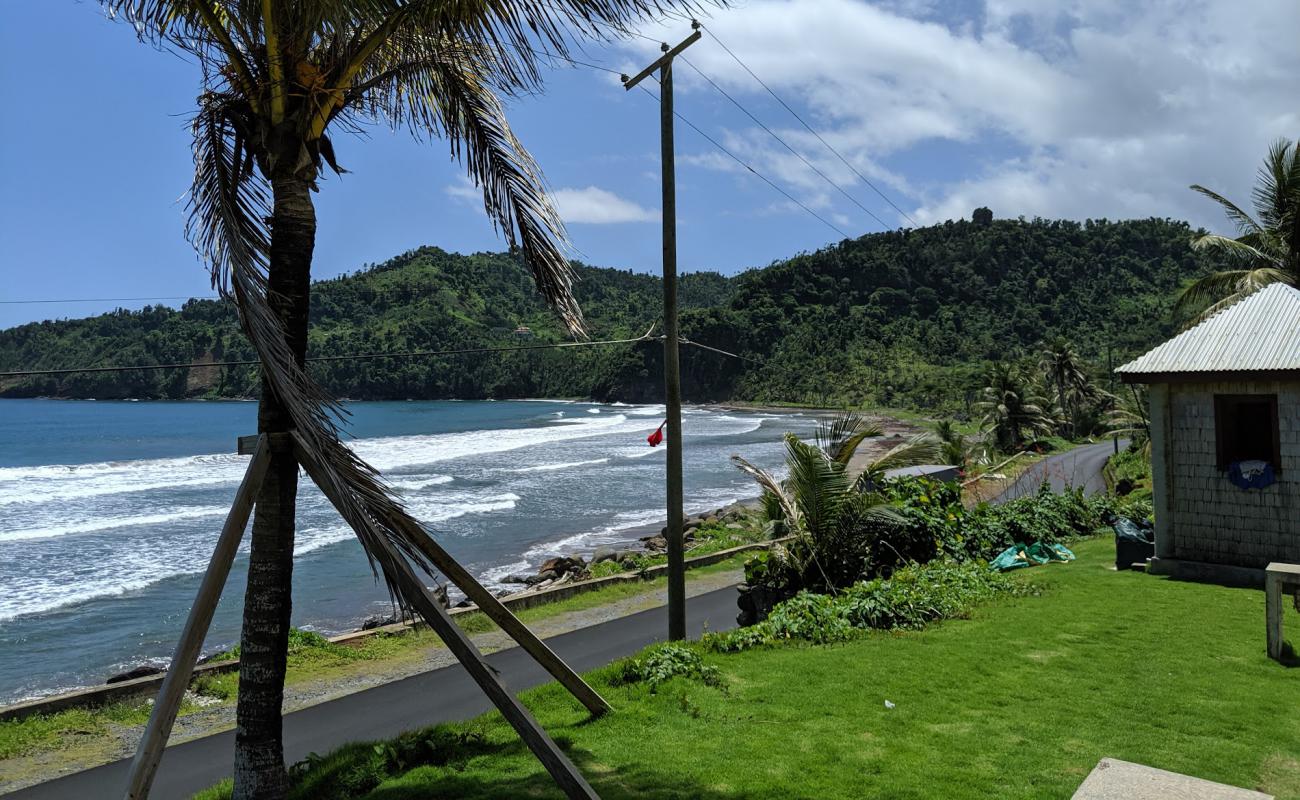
column 109, row 510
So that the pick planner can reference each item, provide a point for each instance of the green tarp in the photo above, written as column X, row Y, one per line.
column 1020, row 555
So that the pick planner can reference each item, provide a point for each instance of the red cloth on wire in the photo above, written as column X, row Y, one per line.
column 658, row 436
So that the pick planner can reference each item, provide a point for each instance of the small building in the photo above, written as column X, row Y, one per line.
column 523, row 332
column 1225, row 440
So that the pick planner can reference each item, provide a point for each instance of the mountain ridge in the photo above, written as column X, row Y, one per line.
column 906, row 317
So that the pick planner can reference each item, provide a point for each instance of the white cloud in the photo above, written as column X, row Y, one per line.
column 597, row 206
column 1069, row 108
column 591, row 205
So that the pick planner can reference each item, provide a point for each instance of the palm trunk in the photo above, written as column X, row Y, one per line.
column 259, row 770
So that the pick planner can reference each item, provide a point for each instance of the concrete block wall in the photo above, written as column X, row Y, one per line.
column 1210, row 519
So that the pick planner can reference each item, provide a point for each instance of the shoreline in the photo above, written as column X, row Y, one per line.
column 630, row 541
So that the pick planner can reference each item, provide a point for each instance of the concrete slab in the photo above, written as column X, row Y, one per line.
column 1113, row 779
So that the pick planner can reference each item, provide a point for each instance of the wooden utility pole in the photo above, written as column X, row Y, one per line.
column 672, row 372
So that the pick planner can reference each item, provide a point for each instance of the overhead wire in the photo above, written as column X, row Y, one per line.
column 785, row 144
column 761, row 124
column 707, row 138
column 803, row 122
column 646, row 337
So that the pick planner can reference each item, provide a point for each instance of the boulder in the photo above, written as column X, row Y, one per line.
column 657, row 543
column 378, row 621
column 142, row 671
column 518, row 577
column 735, row 526
column 544, row 575
column 605, row 553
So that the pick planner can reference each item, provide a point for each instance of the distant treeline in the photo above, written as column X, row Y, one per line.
column 906, row 318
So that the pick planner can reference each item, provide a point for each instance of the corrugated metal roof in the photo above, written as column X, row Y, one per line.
column 1260, row 332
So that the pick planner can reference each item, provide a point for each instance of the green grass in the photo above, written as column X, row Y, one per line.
column 1020, row 701
column 63, row 729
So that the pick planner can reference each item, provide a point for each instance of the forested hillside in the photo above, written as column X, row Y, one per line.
column 902, row 318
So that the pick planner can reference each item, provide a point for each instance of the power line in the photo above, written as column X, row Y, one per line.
column 646, row 337
column 707, row 137
column 760, row 124
column 744, row 164
column 810, row 128
column 786, row 145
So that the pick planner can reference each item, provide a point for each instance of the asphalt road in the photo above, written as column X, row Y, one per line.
column 1078, row 467
column 443, row 695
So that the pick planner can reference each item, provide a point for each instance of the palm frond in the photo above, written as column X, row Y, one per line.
column 818, row 484
column 771, row 487
column 1236, row 248
column 922, row 448
column 1245, row 222
column 445, row 93
column 1207, row 296
column 840, row 437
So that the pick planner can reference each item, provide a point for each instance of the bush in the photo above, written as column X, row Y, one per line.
column 663, row 662
column 911, row 598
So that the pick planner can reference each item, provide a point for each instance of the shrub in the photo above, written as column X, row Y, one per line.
column 663, row 662
column 910, row 598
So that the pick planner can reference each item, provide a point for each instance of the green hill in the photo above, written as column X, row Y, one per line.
column 901, row 318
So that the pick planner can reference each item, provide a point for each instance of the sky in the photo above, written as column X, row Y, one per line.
column 1055, row 108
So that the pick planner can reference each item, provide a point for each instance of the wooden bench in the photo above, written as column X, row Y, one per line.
column 1279, row 579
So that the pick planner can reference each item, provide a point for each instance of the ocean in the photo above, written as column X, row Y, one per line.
column 109, row 510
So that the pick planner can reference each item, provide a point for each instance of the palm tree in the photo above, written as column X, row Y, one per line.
column 953, row 447
column 822, row 504
column 278, row 78
column 1010, row 408
column 1267, row 247
column 1070, row 386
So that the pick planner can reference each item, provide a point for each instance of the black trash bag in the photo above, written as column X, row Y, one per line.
column 1132, row 531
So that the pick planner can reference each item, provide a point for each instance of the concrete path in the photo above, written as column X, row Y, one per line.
column 1078, row 467
column 443, row 695
column 1113, row 779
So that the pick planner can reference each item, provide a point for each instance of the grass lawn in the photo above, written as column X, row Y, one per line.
column 1019, row 702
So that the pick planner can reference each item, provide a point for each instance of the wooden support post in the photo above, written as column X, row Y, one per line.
column 675, row 536
column 168, row 703
column 399, row 570
column 508, row 622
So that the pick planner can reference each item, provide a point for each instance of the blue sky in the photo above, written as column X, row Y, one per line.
column 1052, row 108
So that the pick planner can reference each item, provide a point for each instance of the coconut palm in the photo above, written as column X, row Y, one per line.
column 1267, row 247
column 822, row 503
column 1010, row 408
column 280, row 79
column 1070, row 387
